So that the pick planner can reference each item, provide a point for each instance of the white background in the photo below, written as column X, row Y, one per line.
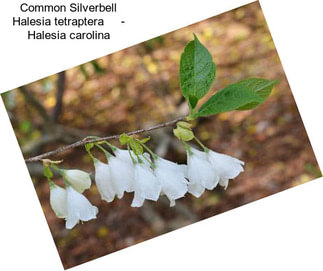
column 281, row 232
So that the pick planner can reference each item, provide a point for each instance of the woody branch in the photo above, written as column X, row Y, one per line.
column 91, row 140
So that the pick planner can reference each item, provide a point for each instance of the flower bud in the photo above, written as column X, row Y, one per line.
column 183, row 134
column 78, row 179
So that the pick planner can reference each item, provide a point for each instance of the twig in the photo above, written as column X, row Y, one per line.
column 59, row 96
column 86, row 140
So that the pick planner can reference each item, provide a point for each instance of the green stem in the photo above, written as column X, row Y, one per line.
column 113, row 148
column 201, row 144
column 153, row 166
column 67, row 184
column 104, row 150
column 154, row 155
column 188, row 148
column 60, row 172
column 51, row 183
column 57, row 169
column 192, row 115
column 139, row 159
column 90, row 154
column 133, row 159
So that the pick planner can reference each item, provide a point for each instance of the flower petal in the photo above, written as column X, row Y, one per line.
column 172, row 203
column 104, row 181
column 78, row 208
column 200, row 173
column 122, row 173
column 224, row 183
column 146, row 185
column 57, row 200
column 200, row 154
column 227, row 167
column 195, row 189
column 164, row 163
column 137, row 201
column 174, row 184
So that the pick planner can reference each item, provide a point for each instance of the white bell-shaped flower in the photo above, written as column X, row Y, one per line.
column 104, row 182
column 145, row 184
column 225, row 166
column 78, row 179
column 57, row 199
column 122, row 173
column 172, row 179
column 78, row 208
column 200, row 173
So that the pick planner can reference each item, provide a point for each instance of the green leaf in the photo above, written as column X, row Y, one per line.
column 262, row 87
column 192, row 101
column 243, row 95
column 197, row 72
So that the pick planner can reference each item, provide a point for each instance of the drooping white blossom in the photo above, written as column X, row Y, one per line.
column 78, row 208
column 145, row 184
column 78, row 179
column 104, row 182
column 225, row 166
column 122, row 174
column 200, row 172
column 57, row 199
column 71, row 205
column 172, row 179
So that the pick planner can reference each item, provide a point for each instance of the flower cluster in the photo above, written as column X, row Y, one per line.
column 145, row 178
column 146, row 175
column 150, row 178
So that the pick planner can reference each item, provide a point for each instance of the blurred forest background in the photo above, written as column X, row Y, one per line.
column 139, row 87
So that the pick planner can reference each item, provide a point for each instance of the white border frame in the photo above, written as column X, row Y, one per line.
column 280, row 232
